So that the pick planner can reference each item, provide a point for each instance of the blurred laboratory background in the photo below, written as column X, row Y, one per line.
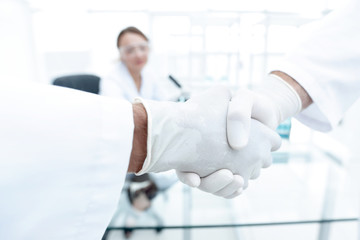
column 311, row 190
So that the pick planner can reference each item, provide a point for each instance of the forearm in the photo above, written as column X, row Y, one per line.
column 139, row 147
column 304, row 96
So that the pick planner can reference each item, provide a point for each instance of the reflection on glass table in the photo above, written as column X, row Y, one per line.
column 305, row 194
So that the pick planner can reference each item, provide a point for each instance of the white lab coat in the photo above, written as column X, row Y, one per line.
column 326, row 62
column 119, row 83
column 63, row 160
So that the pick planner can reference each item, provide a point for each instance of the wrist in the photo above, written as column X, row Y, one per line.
column 303, row 95
column 161, row 128
column 283, row 98
column 139, row 148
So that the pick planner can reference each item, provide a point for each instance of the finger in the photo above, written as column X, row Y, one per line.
column 235, row 185
column 216, row 181
column 188, row 178
column 256, row 173
column 275, row 142
column 246, row 184
column 272, row 136
column 267, row 161
column 235, row 194
column 238, row 119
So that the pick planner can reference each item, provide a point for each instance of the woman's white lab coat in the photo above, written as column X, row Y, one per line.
column 119, row 83
column 326, row 62
column 63, row 160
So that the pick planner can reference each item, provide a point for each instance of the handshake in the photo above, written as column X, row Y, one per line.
column 215, row 141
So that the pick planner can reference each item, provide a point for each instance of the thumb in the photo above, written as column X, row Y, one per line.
column 238, row 119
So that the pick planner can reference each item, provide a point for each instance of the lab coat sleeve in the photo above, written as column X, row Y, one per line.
column 326, row 62
column 63, row 159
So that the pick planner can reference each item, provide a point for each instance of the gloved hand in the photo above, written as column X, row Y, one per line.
column 221, row 183
column 191, row 137
column 271, row 105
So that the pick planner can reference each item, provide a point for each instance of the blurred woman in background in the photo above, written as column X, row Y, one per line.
column 128, row 79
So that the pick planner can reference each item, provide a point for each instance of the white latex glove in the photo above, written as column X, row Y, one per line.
column 191, row 137
column 271, row 105
column 222, row 183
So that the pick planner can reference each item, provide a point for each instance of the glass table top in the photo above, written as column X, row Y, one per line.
column 303, row 186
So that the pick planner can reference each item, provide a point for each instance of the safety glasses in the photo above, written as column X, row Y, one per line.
column 131, row 50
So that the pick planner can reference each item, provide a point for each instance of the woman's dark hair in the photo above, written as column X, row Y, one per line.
column 130, row 30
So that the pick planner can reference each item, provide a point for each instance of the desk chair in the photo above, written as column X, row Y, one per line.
column 83, row 82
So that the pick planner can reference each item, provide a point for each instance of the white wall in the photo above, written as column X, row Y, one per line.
column 201, row 43
column 17, row 53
